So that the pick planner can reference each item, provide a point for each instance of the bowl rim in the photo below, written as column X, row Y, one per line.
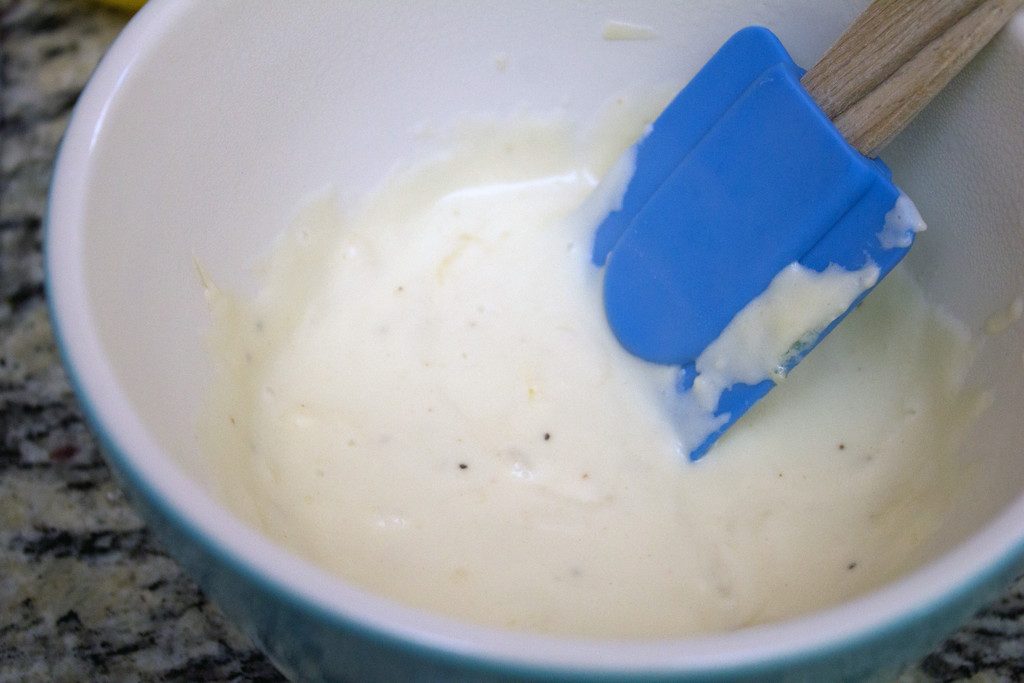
column 963, row 575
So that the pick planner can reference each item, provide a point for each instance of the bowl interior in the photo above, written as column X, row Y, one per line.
column 211, row 122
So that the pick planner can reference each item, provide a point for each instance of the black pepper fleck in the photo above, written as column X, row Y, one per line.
column 547, row 436
column 851, row 566
column 842, row 446
column 463, row 466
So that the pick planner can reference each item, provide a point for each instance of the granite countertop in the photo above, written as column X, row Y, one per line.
column 86, row 593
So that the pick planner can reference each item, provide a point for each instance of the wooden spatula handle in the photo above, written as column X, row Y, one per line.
column 879, row 41
column 895, row 58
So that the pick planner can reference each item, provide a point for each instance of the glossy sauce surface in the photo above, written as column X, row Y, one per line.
column 424, row 398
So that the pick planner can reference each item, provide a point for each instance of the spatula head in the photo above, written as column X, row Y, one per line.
column 739, row 177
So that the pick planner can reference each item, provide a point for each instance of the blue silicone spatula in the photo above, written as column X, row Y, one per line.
column 756, row 166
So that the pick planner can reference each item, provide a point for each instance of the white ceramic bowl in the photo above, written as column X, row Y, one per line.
column 208, row 122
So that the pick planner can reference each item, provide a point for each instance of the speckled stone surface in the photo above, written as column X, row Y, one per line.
column 86, row 594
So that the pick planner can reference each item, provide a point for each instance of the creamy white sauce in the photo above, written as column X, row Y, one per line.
column 425, row 398
column 624, row 30
column 902, row 222
column 763, row 339
column 758, row 343
column 1000, row 321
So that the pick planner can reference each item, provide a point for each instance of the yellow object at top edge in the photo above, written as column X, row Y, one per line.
column 130, row 5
